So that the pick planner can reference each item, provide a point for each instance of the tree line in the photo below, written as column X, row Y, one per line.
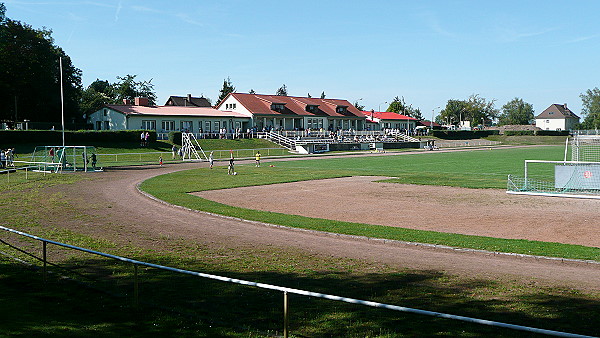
column 30, row 88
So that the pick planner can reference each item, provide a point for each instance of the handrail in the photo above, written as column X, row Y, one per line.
column 287, row 290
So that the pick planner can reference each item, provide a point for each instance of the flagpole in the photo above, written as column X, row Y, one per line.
column 62, row 102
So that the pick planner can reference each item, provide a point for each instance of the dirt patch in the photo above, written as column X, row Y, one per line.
column 485, row 212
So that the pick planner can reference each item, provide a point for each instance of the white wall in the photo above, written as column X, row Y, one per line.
column 116, row 120
column 551, row 124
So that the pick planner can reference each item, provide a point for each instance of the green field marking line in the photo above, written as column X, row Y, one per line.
column 359, row 237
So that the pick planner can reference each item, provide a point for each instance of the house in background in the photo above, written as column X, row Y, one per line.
column 389, row 120
column 291, row 113
column 163, row 119
column 188, row 101
column 556, row 117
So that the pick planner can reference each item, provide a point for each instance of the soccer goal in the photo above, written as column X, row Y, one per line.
column 578, row 177
column 64, row 158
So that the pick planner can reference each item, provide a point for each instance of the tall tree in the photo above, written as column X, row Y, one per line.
column 226, row 89
column 323, row 95
column 591, row 108
column 282, row 91
column 399, row 106
column 97, row 94
column 516, row 111
column 30, row 75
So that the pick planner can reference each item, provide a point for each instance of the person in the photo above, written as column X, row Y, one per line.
column 93, row 159
column 160, row 160
column 174, row 151
column 51, row 153
column 142, row 138
column 230, row 168
column 258, row 158
column 147, row 139
column 2, row 159
column 211, row 160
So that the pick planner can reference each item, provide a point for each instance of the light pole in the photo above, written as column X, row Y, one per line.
column 431, row 123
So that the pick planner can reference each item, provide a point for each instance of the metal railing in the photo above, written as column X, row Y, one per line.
column 284, row 290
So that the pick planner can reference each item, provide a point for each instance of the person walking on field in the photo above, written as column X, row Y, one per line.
column 258, row 158
column 230, row 168
column 211, row 160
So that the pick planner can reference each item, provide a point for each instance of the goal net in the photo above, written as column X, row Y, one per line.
column 64, row 158
column 579, row 177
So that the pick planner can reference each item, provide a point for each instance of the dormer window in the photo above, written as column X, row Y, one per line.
column 311, row 108
column 341, row 109
column 277, row 106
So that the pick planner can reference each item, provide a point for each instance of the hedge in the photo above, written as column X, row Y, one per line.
column 83, row 137
column 536, row 133
column 175, row 137
column 463, row 134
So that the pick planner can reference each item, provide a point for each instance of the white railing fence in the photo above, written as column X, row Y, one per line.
column 285, row 291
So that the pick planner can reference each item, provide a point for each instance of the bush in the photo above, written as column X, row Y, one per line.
column 175, row 137
column 463, row 134
column 552, row 133
column 519, row 132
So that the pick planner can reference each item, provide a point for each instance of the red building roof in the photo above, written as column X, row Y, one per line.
column 384, row 115
column 173, row 111
column 299, row 106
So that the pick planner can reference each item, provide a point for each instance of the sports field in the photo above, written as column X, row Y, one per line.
column 472, row 169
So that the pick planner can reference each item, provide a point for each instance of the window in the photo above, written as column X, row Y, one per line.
column 98, row 125
column 187, row 126
column 230, row 105
column 105, row 112
column 106, row 125
column 547, row 121
column 168, row 125
column 217, row 125
column 207, row 127
column 311, row 108
column 341, row 109
column 277, row 107
column 149, row 124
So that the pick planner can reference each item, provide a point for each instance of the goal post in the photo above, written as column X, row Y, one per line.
column 557, row 178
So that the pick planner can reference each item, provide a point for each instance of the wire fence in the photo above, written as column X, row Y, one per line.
column 284, row 290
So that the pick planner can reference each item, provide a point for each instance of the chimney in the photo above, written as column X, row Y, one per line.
column 565, row 105
column 127, row 101
column 141, row 101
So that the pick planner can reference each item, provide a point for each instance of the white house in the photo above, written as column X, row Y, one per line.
column 164, row 119
column 556, row 117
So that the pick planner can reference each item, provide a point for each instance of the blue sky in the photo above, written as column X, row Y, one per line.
column 426, row 51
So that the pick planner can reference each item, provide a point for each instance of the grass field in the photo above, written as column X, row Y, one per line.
column 210, row 309
column 474, row 169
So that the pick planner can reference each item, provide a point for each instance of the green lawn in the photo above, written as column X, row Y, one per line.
column 473, row 169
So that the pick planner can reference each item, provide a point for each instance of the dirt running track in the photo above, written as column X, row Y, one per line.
column 117, row 207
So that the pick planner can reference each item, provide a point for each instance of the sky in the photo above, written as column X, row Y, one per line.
column 428, row 52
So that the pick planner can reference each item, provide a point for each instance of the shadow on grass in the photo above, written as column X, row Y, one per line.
column 181, row 305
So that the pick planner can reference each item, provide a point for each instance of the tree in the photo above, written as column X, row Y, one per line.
column 30, row 75
column 591, row 108
column 251, row 91
column 399, row 106
column 101, row 92
column 359, row 106
column 282, row 91
column 475, row 109
column 308, row 95
column 323, row 95
column 227, row 88
column 128, row 88
column 516, row 111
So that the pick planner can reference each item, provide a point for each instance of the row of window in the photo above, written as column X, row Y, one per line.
column 229, row 105
column 207, row 126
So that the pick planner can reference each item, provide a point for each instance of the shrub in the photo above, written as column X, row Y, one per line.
column 175, row 137
column 54, row 137
column 463, row 134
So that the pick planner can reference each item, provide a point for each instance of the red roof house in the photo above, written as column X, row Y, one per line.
column 378, row 120
column 290, row 112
